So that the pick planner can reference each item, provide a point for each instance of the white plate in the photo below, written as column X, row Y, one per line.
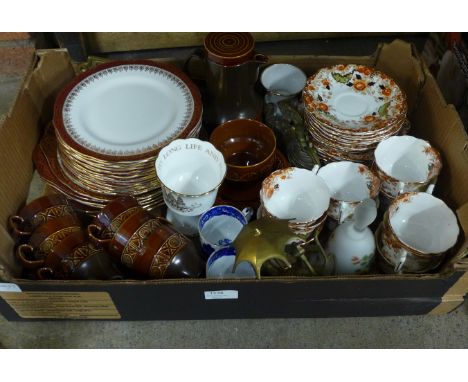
column 127, row 109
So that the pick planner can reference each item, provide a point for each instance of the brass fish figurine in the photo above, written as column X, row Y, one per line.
column 262, row 240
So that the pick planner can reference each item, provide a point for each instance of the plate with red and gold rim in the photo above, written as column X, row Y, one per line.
column 127, row 110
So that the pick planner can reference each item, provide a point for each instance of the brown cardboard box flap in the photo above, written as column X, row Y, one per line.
column 400, row 61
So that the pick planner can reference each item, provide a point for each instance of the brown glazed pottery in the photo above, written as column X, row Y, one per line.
column 76, row 258
column 151, row 247
column 114, row 214
column 37, row 212
column 167, row 253
column 115, row 242
column 229, row 48
column 248, row 147
column 45, row 238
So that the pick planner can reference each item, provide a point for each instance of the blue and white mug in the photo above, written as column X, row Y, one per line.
column 219, row 226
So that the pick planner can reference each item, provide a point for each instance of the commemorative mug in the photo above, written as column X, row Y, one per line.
column 191, row 172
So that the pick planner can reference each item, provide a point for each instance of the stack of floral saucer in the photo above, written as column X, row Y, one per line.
column 110, row 124
column 349, row 109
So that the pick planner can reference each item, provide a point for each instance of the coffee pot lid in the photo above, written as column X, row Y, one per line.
column 229, row 48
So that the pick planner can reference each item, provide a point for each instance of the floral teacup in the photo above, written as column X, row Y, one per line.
column 406, row 164
column 297, row 195
column 417, row 231
column 349, row 183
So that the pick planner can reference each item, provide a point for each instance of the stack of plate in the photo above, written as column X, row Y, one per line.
column 110, row 124
column 349, row 109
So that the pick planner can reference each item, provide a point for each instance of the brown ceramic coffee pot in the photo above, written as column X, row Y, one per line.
column 231, row 69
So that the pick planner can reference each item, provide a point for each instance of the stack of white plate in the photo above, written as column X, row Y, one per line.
column 349, row 109
column 111, row 122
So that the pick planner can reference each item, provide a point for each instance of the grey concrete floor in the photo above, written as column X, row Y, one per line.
column 446, row 331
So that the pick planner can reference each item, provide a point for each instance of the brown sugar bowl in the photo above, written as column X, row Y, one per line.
column 76, row 258
column 44, row 239
column 248, row 147
column 149, row 245
column 37, row 212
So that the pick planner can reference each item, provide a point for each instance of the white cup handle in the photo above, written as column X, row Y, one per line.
column 431, row 186
column 345, row 211
column 400, row 264
column 248, row 213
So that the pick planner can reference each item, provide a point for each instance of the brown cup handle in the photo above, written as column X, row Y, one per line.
column 14, row 223
column 94, row 231
column 260, row 58
column 45, row 273
column 198, row 53
column 21, row 255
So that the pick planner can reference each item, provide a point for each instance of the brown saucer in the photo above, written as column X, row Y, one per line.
column 246, row 194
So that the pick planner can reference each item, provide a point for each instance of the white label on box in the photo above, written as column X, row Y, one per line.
column 221, row 295
column 9, row 287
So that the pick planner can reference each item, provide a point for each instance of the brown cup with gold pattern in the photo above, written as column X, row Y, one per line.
column 76, row 258
column 37, row 212
column 110, row 218
column 152, row 247
column 166, row 253
column 248, row 147
column 44, row 239
column 116, row 240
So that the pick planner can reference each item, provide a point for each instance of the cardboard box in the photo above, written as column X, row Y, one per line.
column 332, row 296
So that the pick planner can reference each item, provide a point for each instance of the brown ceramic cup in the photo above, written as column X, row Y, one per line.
column 76, row 258
column 167, row 253
column 110, row 218
column 127, row 240
column 248, row 147
column 37, row 212
column 44, row 239
column 152, row 247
